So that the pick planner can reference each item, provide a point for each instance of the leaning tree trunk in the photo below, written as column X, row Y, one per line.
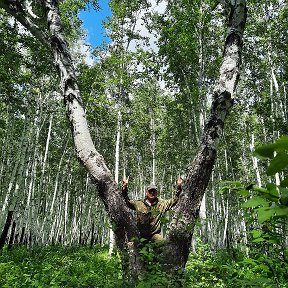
column 125, row 226
column 116, row 208
column 187, row 210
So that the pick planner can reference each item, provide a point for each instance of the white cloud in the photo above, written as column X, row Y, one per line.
column 82, row 52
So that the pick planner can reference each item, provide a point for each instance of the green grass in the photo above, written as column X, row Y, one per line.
column 73, row 267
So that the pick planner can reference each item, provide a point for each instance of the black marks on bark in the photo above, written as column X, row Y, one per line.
column 232, row 39
column 69, row 98
column 55, row 42
column 220, row 105
column 6, row 229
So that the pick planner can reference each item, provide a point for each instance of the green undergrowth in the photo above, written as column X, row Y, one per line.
column 233, row 268
column 57, row 266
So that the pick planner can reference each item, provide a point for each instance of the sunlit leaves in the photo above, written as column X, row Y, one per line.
column 269, row 204
column 267, row 150
column 277, row 152
column 255, row 202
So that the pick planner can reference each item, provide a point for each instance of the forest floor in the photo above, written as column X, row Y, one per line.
column 57, row 266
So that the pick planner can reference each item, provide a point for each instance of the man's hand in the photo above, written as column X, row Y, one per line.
column 179, row 182
column 125, row 182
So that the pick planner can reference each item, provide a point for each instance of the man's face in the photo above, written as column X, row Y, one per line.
column 151, row 194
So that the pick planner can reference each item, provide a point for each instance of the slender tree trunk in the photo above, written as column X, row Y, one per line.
column 11, row 238
column 21, row 241
column 153, row 146
column 117, row 154
column 6, row 229
column 255, row 162
column 226, row 219
column 92, row 235
column 19, row 158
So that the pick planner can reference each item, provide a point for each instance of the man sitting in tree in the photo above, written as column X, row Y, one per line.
column 150, row 210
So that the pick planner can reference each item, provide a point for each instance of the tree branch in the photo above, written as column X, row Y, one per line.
column 15, row 9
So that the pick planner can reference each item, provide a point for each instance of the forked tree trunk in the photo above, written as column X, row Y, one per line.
column 186, row 212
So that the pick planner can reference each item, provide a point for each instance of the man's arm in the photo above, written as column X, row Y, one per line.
column 169, row 203
column 125, row 193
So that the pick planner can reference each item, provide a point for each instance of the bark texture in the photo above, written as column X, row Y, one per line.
column 187, row 209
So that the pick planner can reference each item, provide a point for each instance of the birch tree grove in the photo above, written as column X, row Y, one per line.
column 150, row 113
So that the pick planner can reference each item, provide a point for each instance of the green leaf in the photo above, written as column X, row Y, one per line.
column 260, row 189
column 271, row 186
column 281, row 211
column 278, row 163
column 236, row 183
column 282, row 143
column 267, row 151
column 264, row 152
column 284, row 183
column 255, row 202
column 264, row 214
column 256, row 233
column 284, row 195
column 273, row 241
column 243, row 192
column 271, row 193
column 257, row 240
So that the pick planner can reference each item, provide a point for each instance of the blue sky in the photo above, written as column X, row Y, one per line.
column 93, row 23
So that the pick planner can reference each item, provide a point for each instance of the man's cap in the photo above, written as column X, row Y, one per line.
column 151, row 187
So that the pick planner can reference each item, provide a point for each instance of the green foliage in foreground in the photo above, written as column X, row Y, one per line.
column 85, row 267
column 232, row 268
column 58, row 267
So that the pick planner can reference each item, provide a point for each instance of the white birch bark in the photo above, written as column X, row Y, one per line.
column 285, row 102
column 57, row 183
column 255, row 161
column 117, row 154
column 202, row 166
column 19, row 158
column 66, row 210
column 47, row 146
column 226, row 219
column 85, row 149
column 153, row 146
